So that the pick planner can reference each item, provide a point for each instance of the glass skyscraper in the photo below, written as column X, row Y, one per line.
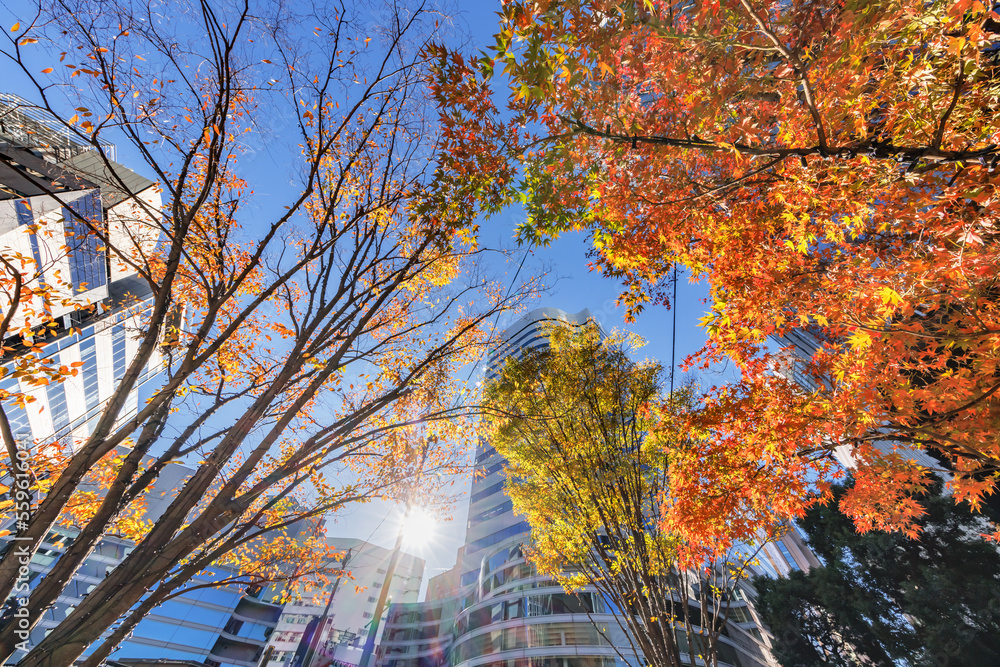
column 341, row 637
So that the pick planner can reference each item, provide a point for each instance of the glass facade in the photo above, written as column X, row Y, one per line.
column 85, row 250
column 487, row 492
column 76, row 334
column 118, row 351
column 88, row 355
column 55, row 394
column 62, row 411
column 87, row 261
column 787, row 555
column 502, row 508
column 190, row 626
column 25, row 216
column 519, row 528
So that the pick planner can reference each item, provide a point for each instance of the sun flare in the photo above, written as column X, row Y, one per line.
column 419, row 527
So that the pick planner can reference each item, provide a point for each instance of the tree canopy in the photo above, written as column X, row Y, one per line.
column 828, row 168
column 589, row 441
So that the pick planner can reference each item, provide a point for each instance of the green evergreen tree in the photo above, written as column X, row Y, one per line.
column 884, row 599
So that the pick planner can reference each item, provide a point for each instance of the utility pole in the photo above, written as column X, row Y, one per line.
column 321, row 625
column 366, row 655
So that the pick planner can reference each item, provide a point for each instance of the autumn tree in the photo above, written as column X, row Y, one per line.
column 882, row 599
column 828, row 168
column 584, row 431
column 297, row 326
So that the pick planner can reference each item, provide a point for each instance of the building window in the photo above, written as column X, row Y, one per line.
column 118, row 351
column 740, row 615
column 381, row 570
column 493, row 468
column 787, row 555
column 502, row 508
column 487, row 492
column 496, row 537
column 371, row 598
column 86, row 257
column 58, row 409
column 88, row 354
column 366, row 615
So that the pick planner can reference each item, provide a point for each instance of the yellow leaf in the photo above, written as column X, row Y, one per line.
column 47, row 70
column 15, row 27
column 860, row 340
column 889, row 295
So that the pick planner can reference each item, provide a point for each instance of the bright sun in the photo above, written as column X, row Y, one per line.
column 419, row 528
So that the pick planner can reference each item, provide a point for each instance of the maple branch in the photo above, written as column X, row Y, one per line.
column 553, row 137
column 945, row 415
column 694, row 37
column 800, row 70
column 857, row 323
column 934, row 439
column 723, row 186
column 873, row 149
column 959, row 84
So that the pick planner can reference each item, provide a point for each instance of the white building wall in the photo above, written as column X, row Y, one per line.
column 132, row 232
column 42, row 246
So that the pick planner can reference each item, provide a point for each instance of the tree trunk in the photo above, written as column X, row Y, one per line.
column 63, row 570
column 121, row 589
column 45, row 516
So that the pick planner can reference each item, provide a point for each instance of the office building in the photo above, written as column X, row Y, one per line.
column 50, row 184
column 494, row 610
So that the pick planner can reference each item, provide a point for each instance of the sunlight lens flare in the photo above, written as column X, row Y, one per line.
column 419, row 527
